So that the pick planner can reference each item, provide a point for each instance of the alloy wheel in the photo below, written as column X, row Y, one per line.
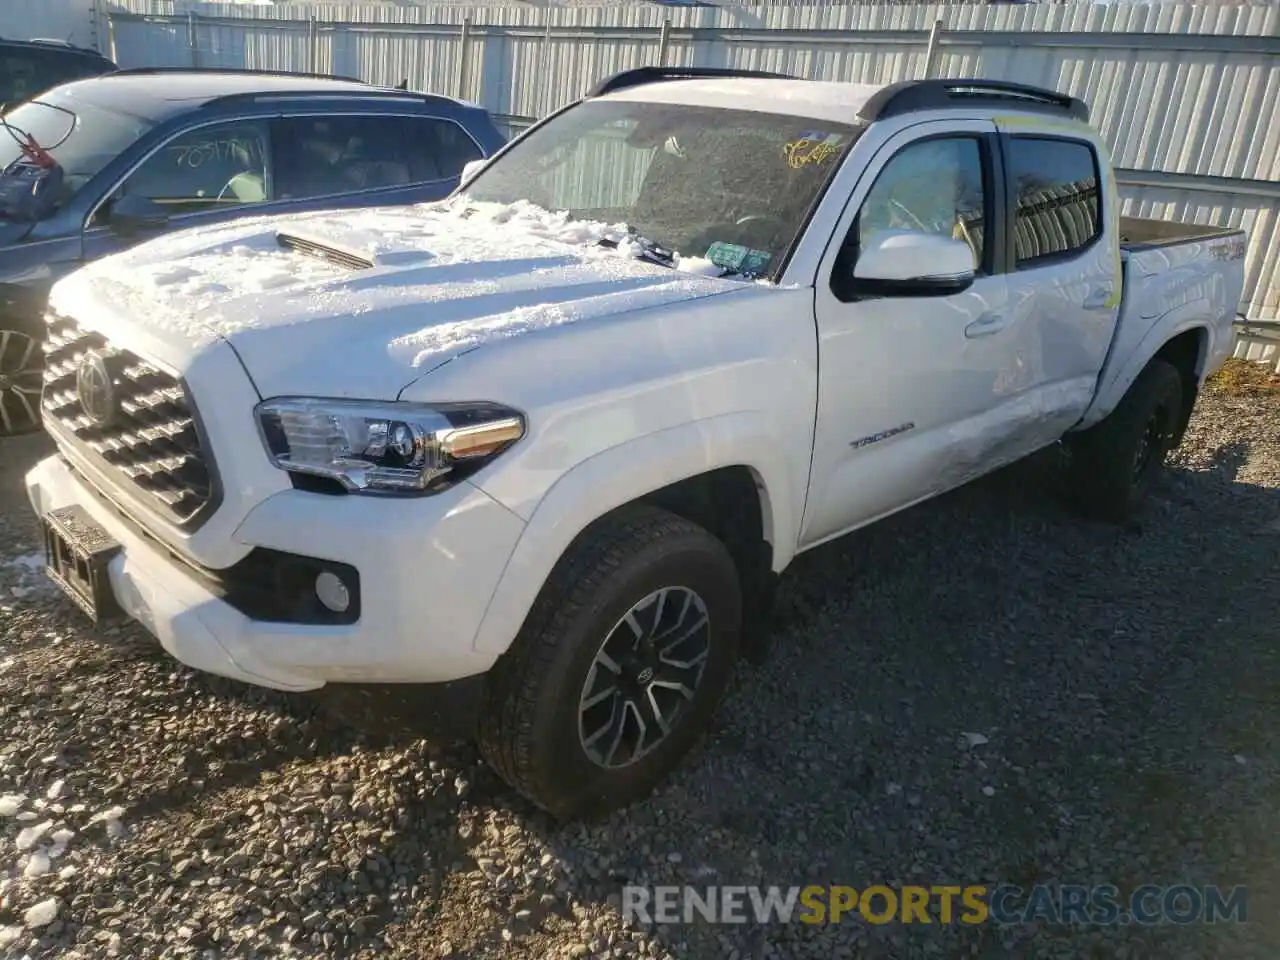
column 21, row 362
column 644, row 677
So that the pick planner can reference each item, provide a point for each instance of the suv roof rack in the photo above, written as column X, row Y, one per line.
column 141, row 71
column 643, row 75
column 911, row 96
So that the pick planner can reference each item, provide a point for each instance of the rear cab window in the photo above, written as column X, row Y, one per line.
column 1057, row 198
column 326, row 155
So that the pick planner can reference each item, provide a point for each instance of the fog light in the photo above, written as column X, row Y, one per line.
column 333, row 592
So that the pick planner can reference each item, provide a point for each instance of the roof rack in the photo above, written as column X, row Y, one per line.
column 142, row 71
column 911, row 96
column 643, row 75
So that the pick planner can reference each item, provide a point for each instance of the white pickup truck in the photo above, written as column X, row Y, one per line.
column 560, row 433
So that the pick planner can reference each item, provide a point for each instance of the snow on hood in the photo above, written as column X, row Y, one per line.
column 447, row 277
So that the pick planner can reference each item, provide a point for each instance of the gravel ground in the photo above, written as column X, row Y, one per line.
column 1125, row 681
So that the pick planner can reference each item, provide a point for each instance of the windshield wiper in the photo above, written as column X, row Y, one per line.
column 649, row 251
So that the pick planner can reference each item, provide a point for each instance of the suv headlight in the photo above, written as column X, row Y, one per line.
column 368, row 446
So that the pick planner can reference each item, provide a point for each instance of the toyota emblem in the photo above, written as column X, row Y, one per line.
column 95, row 390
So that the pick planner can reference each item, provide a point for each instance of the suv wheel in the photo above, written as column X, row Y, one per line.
column 619, row 666
column 21, row 366
column 1115, row 463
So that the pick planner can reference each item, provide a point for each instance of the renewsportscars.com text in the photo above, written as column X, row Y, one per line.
column 944, row 904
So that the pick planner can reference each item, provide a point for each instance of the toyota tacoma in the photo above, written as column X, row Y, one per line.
column 560, row 432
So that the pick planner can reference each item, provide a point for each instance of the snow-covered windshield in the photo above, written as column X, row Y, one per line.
column 83, row 137
column 733, row 186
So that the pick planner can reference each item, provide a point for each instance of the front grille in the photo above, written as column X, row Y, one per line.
column 145, row 429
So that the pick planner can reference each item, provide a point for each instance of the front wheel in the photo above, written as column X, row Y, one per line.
column 21, row 366
column 618, row 668
column 1115, row 463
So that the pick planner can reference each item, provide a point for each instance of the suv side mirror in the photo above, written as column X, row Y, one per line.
column 131, row 215
column 909, row 263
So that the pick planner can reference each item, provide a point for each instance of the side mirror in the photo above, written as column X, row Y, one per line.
column 907, row 263
column 470, row 169
column 131, row 215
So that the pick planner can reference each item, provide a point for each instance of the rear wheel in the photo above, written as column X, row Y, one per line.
column 619, row 667
column 1115, row 464
column 21, row 367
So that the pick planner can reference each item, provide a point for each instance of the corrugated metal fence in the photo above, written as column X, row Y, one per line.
column 73, row 20
column 1188, row 96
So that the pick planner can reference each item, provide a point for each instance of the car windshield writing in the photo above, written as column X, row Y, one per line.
column 734, row 186
column 81, row 136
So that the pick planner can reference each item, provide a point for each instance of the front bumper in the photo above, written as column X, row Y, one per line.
column 428, row 567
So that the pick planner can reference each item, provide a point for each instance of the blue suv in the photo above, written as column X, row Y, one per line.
column 141, row 152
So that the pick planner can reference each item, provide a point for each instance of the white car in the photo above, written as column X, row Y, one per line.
column 560, row 433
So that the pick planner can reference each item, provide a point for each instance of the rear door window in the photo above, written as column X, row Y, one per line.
column 323, row 156
column 1058, row 211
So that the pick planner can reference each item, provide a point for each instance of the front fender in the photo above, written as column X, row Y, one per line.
column 624, row 473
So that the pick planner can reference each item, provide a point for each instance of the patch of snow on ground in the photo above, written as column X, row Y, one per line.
column 28, row 837
column 111, row 813
column 30, row 563
column 23, row 576
column 42, row 914
column 38, row 865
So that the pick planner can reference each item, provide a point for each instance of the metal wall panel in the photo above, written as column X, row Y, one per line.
column 1187, row 96
column 71, row 20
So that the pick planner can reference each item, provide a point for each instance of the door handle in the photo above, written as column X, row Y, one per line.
column 1097, row 300
column 985, row 325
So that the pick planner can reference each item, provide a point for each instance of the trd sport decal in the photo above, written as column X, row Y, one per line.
column 882, row 435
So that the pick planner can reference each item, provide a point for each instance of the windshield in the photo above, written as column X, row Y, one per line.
column 733, row 186
column 81, row 136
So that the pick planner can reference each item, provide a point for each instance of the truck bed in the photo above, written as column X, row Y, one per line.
column 1143, row 233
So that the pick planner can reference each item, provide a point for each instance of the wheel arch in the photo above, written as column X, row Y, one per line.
column 1186, row 352
column 1182, row 337
column 722, row 474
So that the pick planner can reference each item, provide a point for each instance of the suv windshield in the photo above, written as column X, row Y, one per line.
column 82, row 137
column 733, row 186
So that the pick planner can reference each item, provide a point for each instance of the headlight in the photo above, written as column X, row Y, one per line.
column 368, row 446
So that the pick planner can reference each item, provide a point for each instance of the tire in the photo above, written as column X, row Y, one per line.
column 21, row 372
column 532, row 729
column 1115, row 464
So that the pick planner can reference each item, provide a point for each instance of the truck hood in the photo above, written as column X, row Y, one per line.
column 362, row 303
